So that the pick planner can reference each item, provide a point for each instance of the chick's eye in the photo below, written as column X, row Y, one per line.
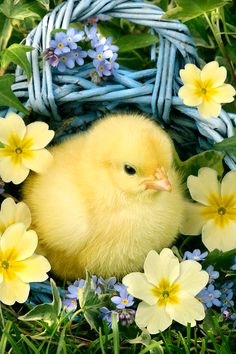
column 129, row 170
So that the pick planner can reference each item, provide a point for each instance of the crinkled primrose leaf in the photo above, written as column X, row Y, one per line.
column 191, row 166
column 90, row 303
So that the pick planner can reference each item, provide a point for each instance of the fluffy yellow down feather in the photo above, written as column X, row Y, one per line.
column 108, row 198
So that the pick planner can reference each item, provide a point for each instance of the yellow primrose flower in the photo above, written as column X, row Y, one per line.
column 22, row 148
column 167, row 290
column 12, row 213
column 19, row 265
column 205, row 89
column 214, row 214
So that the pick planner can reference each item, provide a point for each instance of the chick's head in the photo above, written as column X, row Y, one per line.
column 134, row 152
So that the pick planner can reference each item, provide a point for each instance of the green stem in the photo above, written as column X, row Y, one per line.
column 215, row 28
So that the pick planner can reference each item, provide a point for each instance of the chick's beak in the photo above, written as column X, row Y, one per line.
column 160, row 182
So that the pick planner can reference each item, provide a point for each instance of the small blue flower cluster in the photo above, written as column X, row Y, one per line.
column 120, row 303
column 215, row 294
column 64, row 51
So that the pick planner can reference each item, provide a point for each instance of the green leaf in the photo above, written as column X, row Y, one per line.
column 186, row 10
column 220, row 259
column 7, row 97
column 130, row 42
column 227, row 145
column 21, row 10
column 46, row 312
column 16, row 53
column 209, row 158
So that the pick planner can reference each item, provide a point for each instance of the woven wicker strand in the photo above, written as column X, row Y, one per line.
column 153, row 91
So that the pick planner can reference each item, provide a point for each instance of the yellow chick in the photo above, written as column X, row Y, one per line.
column 109, row 197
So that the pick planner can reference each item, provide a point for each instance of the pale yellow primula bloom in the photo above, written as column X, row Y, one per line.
column 19, row 266
column 205, row 89
column 167, row 291
column 214, row 214
column 12, row 213
column 22, row 148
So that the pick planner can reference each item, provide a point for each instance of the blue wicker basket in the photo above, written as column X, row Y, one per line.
column 153, row 91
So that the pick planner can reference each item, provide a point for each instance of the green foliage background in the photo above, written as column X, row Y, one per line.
column 46, row 329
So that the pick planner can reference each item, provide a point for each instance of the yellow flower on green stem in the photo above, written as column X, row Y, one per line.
column 19, row 265
column 167, row 291
column 214, row 214
column 205, row 89
column 12, row 213
column 22, row 148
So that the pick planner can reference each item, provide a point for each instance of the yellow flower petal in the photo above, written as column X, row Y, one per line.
column 192, row 279
column 166, row 263
column 13, row 290
column 17, row 243
column 40, row 135
column 155, row 318
column 223, row 239
column 209, row 108
column 32, row 269
column 193, row 219
column 190, row 74
column 39, row 161
column 204, row 185
column 223, row 94
column 139, row 287
column 12, row 124
column 190, row 96
column 228, row 189
column 212, row 75
column 188, row 310
column 11, row 172
column 12, row 213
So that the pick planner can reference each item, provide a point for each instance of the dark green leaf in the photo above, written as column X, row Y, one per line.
column 227, row 145
column 191, row 166
column 220, row 259
column 16, row 53
column 131, row 60
column 186, row 10
column 108, row 29
column 230, row 49
column 198, row 28
column 134, row 41
column 7, row 97
column 46, row 312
